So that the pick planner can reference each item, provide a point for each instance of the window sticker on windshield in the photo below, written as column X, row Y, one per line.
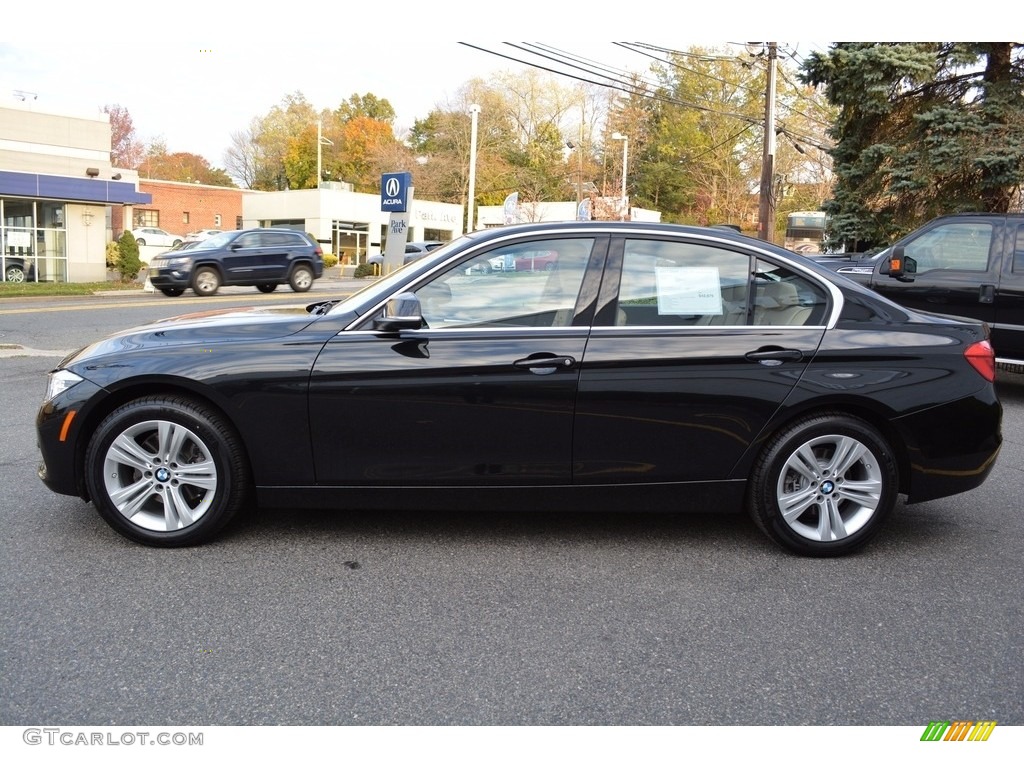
column 689, row 290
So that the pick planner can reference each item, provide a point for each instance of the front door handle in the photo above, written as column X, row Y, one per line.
column 545, row 365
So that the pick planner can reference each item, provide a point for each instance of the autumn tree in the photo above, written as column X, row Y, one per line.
column 924, row 129
column 244, row 159
column 180, row 166
column 126, row 151
column 695, row 143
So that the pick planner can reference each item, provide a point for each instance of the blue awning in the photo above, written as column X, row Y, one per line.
column 71, row 189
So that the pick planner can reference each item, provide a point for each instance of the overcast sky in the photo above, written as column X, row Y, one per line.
column 195, row 94
column 192, row 73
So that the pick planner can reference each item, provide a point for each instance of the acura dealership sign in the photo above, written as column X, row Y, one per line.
column 394, row 191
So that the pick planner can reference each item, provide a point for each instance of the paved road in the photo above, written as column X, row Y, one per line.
column 304, row 617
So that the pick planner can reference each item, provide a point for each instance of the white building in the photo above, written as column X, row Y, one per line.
column 348, row 224
column 495, row 215
column 56, row 190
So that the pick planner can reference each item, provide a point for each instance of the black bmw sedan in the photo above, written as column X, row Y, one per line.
column 650, row 367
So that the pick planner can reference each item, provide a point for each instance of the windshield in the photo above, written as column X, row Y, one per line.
column 215, row 241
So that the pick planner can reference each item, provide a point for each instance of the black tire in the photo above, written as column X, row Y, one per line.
column 837, row 477
column 14, row 274
column 206, row 281
column 267, row 287
column 172, row 291
column 161, row 500
column 140, row 241
column 301, row 278
column 176, row 243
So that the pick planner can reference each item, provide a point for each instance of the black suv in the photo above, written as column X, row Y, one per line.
column 265, row 258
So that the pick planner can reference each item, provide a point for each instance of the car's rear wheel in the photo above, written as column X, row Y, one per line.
column 301, row 278
column 824, row 485
column 267, row 287
column 140, row 241
column 172, row 291
column 166, row 471
column 206, row 281
column 176, row 243
column 14, row 274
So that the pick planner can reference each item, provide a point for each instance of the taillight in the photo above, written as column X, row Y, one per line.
column 981, row 355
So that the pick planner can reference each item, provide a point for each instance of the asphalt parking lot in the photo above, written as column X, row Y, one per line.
column 347, row 617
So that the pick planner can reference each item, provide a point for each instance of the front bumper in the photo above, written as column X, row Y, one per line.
column 170, row 277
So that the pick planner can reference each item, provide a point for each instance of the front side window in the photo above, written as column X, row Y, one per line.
column 957, row 245
column 1018, row 251
column 510, row 287
column 249, row 240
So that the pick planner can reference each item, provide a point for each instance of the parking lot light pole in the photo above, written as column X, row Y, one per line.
column 625, row 160
column 474, row 111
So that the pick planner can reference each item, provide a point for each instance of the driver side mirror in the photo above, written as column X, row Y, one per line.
column 901, row 265
column 402, row 313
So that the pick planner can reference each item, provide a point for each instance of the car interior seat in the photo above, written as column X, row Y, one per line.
column 779, row 304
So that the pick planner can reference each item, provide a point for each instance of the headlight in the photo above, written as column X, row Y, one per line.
column 178, row 261
column 60, row 381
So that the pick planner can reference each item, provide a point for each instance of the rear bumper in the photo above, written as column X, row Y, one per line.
column 952, row 448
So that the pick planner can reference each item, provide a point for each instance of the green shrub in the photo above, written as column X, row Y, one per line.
column 330, row 260
column 366, row 270
column 128, row 262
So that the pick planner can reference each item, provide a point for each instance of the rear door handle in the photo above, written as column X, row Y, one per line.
column 774, row 356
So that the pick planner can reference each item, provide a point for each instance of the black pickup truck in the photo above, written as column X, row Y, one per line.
column 971, row 265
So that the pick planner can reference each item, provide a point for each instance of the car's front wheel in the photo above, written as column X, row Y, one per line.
column 301, row 279
column 166, row 471
column 824, row 485
column 140, row 241
column 206, row 281
column 14, row 274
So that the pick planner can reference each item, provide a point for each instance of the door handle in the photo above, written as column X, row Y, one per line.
column 545, row 364
column 987, row 294
column 775, row 356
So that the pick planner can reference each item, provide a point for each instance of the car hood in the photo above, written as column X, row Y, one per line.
column 220, row 325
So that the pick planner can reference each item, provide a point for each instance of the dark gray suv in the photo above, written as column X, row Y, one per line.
column 265, row 258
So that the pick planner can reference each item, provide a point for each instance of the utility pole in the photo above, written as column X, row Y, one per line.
column 766, row 206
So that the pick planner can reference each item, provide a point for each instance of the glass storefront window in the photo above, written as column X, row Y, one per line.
column 33, row 241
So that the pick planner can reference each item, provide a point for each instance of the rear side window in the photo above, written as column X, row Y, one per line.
column 676, row 283
column 692, row 284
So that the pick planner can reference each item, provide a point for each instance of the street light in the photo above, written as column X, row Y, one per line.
column 625, row 159
column 474, row 111
column 578, row 148
column 321, row 140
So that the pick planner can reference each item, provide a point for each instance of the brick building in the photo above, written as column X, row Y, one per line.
column 180, row 208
